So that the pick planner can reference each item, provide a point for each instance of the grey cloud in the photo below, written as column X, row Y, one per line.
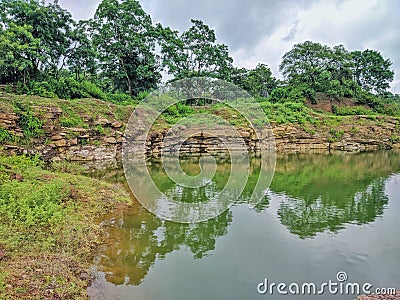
column 292, row 33
column 238, row 23
column 248, row 26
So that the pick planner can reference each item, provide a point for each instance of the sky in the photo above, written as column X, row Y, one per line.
column 262, row 31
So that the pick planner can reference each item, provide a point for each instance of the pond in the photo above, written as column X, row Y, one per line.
column 322, row 215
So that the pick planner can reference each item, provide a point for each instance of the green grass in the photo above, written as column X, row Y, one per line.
column 49, row 214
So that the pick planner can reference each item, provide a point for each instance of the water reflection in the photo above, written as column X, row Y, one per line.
column 317, row 193
column 138, row 239
column 323, row 193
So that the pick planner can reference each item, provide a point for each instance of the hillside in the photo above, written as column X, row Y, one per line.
column 91, row 129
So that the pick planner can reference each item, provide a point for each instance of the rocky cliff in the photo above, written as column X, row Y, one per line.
column 100, row 136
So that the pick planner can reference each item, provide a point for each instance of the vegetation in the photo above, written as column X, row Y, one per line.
column 49, row 232
column 48, row 59
column 120, row 53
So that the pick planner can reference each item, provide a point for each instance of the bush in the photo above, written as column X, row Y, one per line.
column 31, row 126
column 92, row 90
column 119, row 98
column 290, row 94
column 42, row 89
column 278, row 95
column 5, row 135
column 351, row 111
column 288, row 112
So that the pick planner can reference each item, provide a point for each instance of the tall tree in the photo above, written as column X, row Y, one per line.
column 82, row 60
column 195, row 53
column 371, row 71
column 125, row 39
column 319, row 67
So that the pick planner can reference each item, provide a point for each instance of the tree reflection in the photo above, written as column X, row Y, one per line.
column 323, row 193
column 320, row 193
column 138, row 239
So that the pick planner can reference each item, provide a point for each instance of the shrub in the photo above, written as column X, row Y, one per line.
column 31, row 126
column 5, row 135
column 42, row 89
column 120, row 98
column 92, row 90
column 351, row 111
column 288, row 112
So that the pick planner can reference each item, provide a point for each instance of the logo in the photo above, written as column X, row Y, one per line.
column 202, row 100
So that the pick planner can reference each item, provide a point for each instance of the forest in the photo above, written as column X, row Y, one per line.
column 120, row 56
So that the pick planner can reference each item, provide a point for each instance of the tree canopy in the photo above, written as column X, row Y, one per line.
column 196, row 53
column 121, row 52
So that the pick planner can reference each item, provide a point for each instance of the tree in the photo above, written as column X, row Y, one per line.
column 18, row 49
column 371, row 71
column 82, row 60
column 258, row 82
column 195, row 53
column 125, row 39
column 319, row 68
column 304, row 63
column 51, row 25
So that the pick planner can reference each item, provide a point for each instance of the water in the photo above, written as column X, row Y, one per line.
column 322, row 215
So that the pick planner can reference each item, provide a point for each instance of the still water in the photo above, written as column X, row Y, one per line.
column 323, row 214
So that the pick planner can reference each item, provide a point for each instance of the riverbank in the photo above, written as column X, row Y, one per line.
column 90, row 129
column 49, row 213
column 49, row 227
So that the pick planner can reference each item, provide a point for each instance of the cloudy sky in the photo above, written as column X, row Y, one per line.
column 261, row 31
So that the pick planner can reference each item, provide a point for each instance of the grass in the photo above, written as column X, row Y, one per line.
column 72, row 109
column 49, row 227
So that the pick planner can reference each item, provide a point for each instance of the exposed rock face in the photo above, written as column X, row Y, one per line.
column 87, row 144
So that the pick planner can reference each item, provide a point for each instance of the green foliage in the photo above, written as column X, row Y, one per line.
column 70, row 118
column 259, row 82
column 31, row 126
column 336, row 135
column 194, row 52
column 395, row 139
column 124, row 37
column 288, row 112
column 335, row 71
column 120, row 98
column 100, row 130
column 116, row 57
column 316, row 66
column 351, row 111
column 42, row 89
column 289, row 94
column 31, row 204
column 17, row 47
column 176, row 112
column 372, row 72
column 6, row 136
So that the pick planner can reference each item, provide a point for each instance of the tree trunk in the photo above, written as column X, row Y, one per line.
column 128, row 80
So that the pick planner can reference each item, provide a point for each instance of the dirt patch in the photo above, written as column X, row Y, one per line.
column 50, row 276
column 325, row 103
